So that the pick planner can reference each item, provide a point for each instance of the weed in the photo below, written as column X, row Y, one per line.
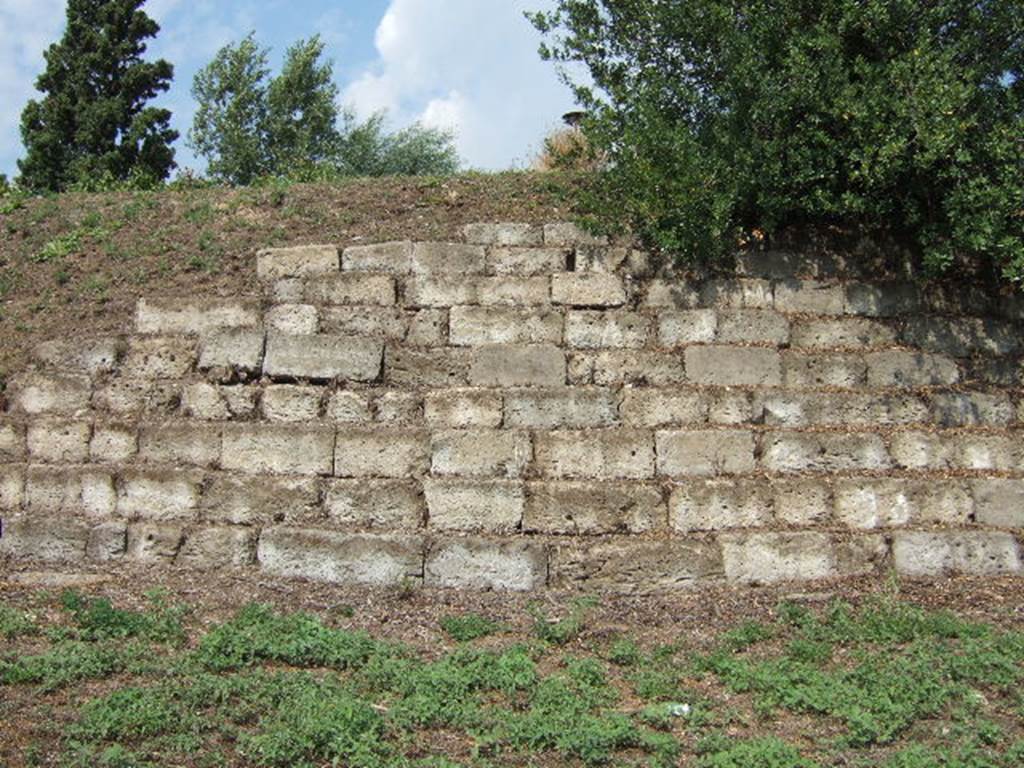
column 721, row 752
column 58, row 248
column 67, row 662
column 625, row 652
column 468, row 627
column 561, row 631
column 15, row 623
column 199, row 213
column 99, row 620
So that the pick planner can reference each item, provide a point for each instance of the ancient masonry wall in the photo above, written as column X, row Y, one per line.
column 531, row 407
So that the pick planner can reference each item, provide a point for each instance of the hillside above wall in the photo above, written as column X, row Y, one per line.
column 530, row 406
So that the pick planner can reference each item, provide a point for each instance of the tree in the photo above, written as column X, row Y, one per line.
column 93, row 123
column 724, row 116
column 290, row 125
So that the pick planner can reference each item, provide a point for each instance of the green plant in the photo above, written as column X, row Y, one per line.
column 58, row 248
column 468, row 627
column 755, row 753
column 15, row 623
column 719, row 120
column 560, row 631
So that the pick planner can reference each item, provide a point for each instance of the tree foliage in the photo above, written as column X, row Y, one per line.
column 250, row 125
column 92, row 124
column 724, row 116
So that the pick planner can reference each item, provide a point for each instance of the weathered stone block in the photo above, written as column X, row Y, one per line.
column 810, row 297
column 58, row 441
column 626, row 565
column 113, row 443
column 733, row 366
column 154, row 542
column 158, row 357
column 931, row 554
column 297, row 261
column 882, row 299
column 490, row 506
column 704, row 452
column 634, row 366
column 218, row 547
column 801, row 409
column 999, row 502
column 58, row 539
column 249, row 500
column 452, row 258
column 584, row 508
column 461, row 408
column 599, row 454
column 480, row 453
column 135, row 397
column 712, row 505
column 442, row 291
column 75, row 490
column 381, row 452
column 504, row 234
column 899, row 368
column 563, row 407
column 845, row 333
column 195, row 444
column 600, row 330
column 34, row 393
column 691, row 326
column 927, row 450
column 278, row 449
column 386, row 323
column 159, row 495
column 598, row 258
column 539, row 365
column 341, row 558
column 568, row 233
column 961, row 336
column 737, row 294
column 527, row 261
column 107, row 541
column 287, row 290
column 587, row 289
column 971, row 409
column 670, row 294
column 89, row 356
column 398, row 407
column 294, row 319
column 476, row 326
column 237, row 349
column 887, row 503
column 184, row 315
column 394, row 258
column 801, row 502
column 321, row 357
column 801, row 369
column 12, row 442
column 352, row 288
column 765, row 558
column 823, row 452
column 12, row 486
column 654, row 407
column 752, row 326
column 482, row 564
column 291, row 402
column 427, row 367
column 385, row 504
column 427, row 328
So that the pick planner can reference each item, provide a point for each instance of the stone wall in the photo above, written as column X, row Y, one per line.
column 531, row 407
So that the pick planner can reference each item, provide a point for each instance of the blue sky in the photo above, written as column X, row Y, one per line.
column 469, row 65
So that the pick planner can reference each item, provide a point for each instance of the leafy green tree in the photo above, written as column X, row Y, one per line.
column 724, row 116
column 92, row 124
column 250, row 125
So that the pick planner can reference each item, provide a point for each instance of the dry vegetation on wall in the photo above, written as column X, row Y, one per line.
column 76, row 263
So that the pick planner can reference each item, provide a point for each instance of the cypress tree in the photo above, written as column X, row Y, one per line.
column 92, row 124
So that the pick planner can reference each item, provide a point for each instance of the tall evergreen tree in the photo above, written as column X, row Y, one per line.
column 92, row 121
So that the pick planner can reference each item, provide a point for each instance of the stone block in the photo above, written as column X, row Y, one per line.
column 688, row 453
column 381, row 452
column 800, row 502
column 158, row 357
column 253, row 500
column 294, row 319
column 132, row 398
column 488, row 506
column 786, row 264
column 88, row 356
column 593, row 329
column 689, row 326
column 841, row 333
column 659, row 293
column 752, row 326
column 481, row 564
column 657, row 407
column 57, row 394
column 154, row 542
column 972, row 409
column 159, row 495
column 113, row 443
column 12, row 486
column 12, row 442
column 733, row 366
column 882, row 299
column 562, row 407
column 385, row 504
column 398, row 407
column 601, row 454
column 405, row 367
column 823, row 452
column 217, row 547
column 809, row 297
column 194, row 444
column 341, row 558
column 59, row 441
column 480, row 453
column 635, row 366
column 449, row 258
column 727, row 406
column 107, row 541
column 427, row 328
column 385, row 323
column 503, row 290
column 503, row 234
column 889, row 503
column 743, row 293
column 352, row 288
column 291, row 402
column 80, row 491
column 462, row 408
column 278, row 449
column 926, row 554
column 287, row 290
column 898, row 368
column 507, row 365
column 568, row 233
column 802, row 369
column 392, row 258
column 189, row 316
column 714, row 505
column 59, row 539
column 961, row 336
column 999, row 502
column 476, row 326
column 803, row 409
column 627, row 565
column 297, row 261
column 589, row 508
column 237, row 349
column 766, row 558
column 929, row 450
column 587, row 289
column 527, row 261
column 597, row 258
column 323, row 357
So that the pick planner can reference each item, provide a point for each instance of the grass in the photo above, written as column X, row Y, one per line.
column 881, row 684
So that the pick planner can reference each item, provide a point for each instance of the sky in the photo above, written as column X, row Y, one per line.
column 468, row 65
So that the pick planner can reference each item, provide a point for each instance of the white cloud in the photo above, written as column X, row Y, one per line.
column 467, row 64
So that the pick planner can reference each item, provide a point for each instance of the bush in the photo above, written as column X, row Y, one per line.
column 720, row 118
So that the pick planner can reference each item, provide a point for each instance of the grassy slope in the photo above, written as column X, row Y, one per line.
column 76, row 263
